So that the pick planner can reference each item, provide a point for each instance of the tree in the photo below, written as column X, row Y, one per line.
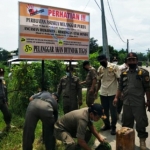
column 122, row 54
column 93, row 45
column 4, row 55
column 141, row 56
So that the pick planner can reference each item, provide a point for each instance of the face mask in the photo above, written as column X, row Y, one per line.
column 104, row 64
column 132, row 66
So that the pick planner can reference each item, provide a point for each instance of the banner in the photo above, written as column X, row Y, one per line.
column 47, row 32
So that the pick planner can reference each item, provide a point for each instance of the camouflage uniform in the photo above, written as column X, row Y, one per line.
column 90, row 97
column 71, row 92
column 133, row 85
column 73, row 125
column 43, row 107
column 4, row 106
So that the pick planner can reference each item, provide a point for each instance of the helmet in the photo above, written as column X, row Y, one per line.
column 104, row 146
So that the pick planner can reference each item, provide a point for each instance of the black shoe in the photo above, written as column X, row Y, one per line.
column 113, row 132
column 104, row 128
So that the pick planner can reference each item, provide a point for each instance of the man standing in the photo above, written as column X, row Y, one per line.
column 71, row 90
column 134, row 84
column 108, row 76
column 4, row 101
column 122, row 68
column 74, row 125
column 90, row 82
column 43, row 106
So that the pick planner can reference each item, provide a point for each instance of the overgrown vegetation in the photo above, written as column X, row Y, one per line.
column 26, row 80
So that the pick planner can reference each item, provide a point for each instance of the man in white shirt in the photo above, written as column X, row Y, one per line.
column 108, row 76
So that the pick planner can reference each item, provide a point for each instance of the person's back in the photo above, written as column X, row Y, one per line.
column 42, row 107
column 71, row 121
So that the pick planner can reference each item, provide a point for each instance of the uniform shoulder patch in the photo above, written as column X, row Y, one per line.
column 124, row 72
column 144, row 70
column 140, row 72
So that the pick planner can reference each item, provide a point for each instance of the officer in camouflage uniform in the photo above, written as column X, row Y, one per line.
column 78, row 124
column 90, row 82
column 43, row 106
column 4, row 101
column 71, row 90
column 134, row 84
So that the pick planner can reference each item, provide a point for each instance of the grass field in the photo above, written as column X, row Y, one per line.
column 13, row 139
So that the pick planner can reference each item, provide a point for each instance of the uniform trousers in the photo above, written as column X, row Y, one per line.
column 90, row 97
column 119, row 105
column 6, row 113
column 38, row 110
column 137, row 114
column 69, row 104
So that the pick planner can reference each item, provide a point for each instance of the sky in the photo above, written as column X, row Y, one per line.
column 132, row 19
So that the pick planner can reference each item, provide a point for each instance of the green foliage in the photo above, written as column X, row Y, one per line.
column 26, row 80
column 93, row 45
column 4, row 55
column 93, row 60
column 142, row 57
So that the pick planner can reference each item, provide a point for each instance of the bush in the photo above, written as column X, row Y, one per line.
column 26, row 80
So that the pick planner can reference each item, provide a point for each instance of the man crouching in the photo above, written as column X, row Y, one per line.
column 74, row 125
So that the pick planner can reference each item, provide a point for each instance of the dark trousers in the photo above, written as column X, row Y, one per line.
column 107, row 103
column 90, row 97
column 69, row 104
column 119, row 106
column 36, row 110
column 6, row 113
column 138, row 114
